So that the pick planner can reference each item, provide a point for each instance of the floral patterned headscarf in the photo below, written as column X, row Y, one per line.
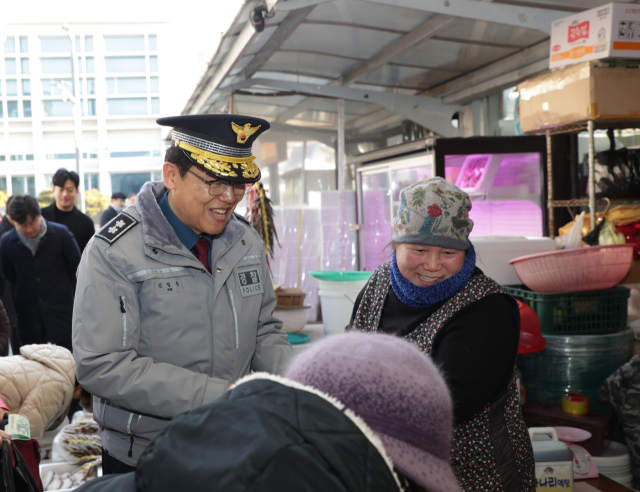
column 433, row 212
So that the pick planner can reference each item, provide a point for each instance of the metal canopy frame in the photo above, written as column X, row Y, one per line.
column 511, row 38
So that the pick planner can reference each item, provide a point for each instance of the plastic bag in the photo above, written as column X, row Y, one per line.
column 609, row 234
column 573, row 239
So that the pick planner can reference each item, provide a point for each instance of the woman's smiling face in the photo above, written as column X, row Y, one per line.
column 425, row 265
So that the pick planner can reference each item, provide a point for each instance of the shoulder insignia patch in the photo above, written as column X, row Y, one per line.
column 116, row 227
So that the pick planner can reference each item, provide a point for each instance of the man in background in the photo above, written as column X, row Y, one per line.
column 117, row 205
column 7, row 289
column 40, row 259
column 132, row 198
column 63, row 209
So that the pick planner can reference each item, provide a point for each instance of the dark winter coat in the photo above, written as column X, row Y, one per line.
column 80, row 225
column 268, row 434
column 107, row 215
column 44, row 284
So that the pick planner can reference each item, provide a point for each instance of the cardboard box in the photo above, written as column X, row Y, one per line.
column 577, row 93
column 609, row 31
column 290, row 297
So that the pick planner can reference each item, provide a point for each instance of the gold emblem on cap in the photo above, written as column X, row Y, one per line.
column 222, row 164
column 244, row 132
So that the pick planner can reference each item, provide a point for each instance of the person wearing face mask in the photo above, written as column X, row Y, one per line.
column 117, row 205
column 174, row 300
column 432, row 294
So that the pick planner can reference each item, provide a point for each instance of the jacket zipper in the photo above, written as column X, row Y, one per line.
column 124, row 321
column 131, row 432
column 235, row 316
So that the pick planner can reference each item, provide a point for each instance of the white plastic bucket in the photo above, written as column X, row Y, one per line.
column 337, row 299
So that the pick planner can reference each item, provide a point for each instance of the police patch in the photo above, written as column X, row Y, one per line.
column 250, row 281
column 116, row 227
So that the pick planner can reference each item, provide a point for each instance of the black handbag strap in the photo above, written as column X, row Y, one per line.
column 26, row 482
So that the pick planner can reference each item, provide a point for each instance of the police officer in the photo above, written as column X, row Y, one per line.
column 174, row 301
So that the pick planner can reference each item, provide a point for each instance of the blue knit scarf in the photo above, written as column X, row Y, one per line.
column 424, row 297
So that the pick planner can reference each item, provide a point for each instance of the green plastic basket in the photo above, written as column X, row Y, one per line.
column 340, row 276
column 577, row 313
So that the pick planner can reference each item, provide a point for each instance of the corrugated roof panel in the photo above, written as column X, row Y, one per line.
column 409, row 77
column 245, row 107
column 350, row 107
column 310, row 63
column 340, row 40
column 239, row 65
column 369, row 14
column 490, row 32
column 447, row 55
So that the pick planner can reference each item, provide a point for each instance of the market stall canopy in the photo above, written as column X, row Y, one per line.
column 390, row 60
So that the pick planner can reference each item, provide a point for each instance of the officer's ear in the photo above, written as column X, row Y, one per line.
column 170, row 175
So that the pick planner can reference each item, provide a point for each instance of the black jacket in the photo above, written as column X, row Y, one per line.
column 262, row 436
column 44, row 284
column 80, row 225
column 107, row 215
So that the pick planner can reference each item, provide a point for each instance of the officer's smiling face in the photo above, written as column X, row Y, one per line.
column 191, row 202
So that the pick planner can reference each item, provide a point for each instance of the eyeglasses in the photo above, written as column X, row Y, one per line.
column 217, row 187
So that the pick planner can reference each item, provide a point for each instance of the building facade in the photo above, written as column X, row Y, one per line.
column 122, row 77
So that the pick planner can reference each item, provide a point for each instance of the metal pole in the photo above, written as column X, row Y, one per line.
column 552, row 222
column 592, row 181
column 77, row 128
column 341, row 159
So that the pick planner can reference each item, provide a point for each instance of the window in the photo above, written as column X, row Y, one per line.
column 91, row 86
column 29, row 157
column 61, row 156
column 3, row 180
column 90, row 65
column 153, row 63
column 129, row 183
column 12, row 109
column 156, row 176
column 78, row 44
column 124, row 64
column 26, row 87
column 16, row 157
column 24, row 66
column 124, row 43
column 127, row 106
column 87, row 155
column 10, row 66
column 24, row 45
column 12, row 88
column 91, row 182
column 88, row 44
column 155, row 105
column 55, row 45
column 130, row 85
column 50, row 86
column 23, row 184
column 91, row 107
column 156, row 153
column 80, row 65
column 155, row 85
column 1, row 110
column 56, row 65
column 2, row 158
column 57, row 107
column 10, row 45
column 26, row 109
column 134, row 153
column 153, row 42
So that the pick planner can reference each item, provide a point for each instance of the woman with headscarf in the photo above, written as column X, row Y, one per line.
column 432, row 294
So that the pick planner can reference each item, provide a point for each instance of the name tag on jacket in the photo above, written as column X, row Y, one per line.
column 250, row 281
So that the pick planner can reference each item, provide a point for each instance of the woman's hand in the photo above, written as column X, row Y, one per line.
column 4, row 435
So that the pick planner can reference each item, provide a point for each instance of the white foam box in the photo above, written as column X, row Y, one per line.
column 608, row 31
column 61, row 468
column 494, row 253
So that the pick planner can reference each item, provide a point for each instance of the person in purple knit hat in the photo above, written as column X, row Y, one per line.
column 397, row 391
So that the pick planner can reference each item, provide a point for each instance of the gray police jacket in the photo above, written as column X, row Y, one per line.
column 155, row 334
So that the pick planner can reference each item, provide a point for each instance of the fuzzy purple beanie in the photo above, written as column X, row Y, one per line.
column 396, row 390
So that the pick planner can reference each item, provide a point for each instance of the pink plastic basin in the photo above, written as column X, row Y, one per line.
column 575, row 270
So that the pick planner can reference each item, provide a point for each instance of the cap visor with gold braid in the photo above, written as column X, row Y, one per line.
column 219, row 144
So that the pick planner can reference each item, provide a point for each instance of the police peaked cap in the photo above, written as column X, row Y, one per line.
column 219, row 144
